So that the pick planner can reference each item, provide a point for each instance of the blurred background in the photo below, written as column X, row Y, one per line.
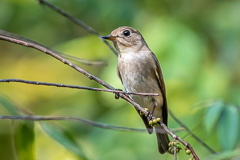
column 197, row 44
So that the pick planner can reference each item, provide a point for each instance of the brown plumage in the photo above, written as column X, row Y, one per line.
column 139, row 71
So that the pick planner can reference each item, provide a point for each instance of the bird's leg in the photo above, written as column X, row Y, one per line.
column 150, row 114
column 152, row 121
column 127, row 94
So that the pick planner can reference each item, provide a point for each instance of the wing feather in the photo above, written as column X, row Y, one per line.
column 162, row 88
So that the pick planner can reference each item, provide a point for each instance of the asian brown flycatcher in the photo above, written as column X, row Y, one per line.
column 139, row 71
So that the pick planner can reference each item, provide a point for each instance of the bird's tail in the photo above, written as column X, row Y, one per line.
column 162, row 139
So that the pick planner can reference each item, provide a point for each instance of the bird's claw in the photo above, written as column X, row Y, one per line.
column 150, row 115
column 117, row 95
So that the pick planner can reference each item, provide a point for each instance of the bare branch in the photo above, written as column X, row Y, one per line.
column 84, row 61
column 14, row 38
column 76, row 87
column 77, row 119
column 175, row 152
column 77, row 22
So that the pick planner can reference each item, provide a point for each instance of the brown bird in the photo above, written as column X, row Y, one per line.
column 139, row 71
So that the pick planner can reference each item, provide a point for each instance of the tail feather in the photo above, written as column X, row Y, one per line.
column 163, row 141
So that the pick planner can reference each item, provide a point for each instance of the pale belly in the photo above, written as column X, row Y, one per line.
column 138, row 76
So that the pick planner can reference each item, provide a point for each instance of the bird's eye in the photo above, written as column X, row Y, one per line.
column 126, row 33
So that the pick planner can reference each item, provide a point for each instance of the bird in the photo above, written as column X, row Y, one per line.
column 139, row 71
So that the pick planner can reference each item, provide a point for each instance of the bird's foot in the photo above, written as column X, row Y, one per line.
column 152, row 121
column 150, row 114
column 117, row 94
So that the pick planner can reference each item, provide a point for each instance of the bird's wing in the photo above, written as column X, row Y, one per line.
column 161, row 83
column 119, row 75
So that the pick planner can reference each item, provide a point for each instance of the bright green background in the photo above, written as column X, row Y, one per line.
column 197, row 44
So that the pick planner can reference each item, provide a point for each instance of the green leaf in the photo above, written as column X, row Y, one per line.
column 8, row 106
column 212, row 115
column 24, row 140
column 64, row 138
column 229, row 127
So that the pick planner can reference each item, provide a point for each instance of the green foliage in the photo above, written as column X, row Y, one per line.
column 212, row 115
column 24, row 137
column 229, row 127
column 8, row 105
column 226, row 119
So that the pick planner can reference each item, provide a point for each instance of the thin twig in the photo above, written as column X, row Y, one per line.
column 77, row 22
column 190, row 132
column 82, row 120
column 175, row 152
column 84, row 61
column 11, row 37
column 75, row 87
column 98, row 80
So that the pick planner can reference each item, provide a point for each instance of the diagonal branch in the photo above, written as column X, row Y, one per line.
column 77, row 22
column 175, row 152
column 76, row 87
column 14, row 38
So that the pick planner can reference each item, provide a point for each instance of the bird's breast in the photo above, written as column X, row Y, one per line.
column 137, row 72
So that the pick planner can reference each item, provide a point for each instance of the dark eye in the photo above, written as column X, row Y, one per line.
column 126, row 33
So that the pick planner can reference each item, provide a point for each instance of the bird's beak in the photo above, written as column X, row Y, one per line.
column 109, row 37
